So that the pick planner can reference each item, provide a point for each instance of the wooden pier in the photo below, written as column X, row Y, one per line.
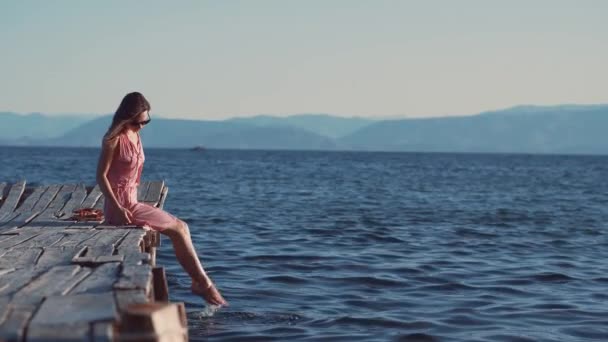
column 63, row 279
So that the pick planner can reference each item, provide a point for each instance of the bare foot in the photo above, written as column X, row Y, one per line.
column 209, row 293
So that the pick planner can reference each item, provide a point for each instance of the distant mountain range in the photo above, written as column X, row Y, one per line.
column 17, row 127
column 524, row 129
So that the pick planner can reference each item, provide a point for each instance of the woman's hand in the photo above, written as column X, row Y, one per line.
column 125, row 216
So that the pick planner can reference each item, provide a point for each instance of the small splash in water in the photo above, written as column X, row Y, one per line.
column 208, row 311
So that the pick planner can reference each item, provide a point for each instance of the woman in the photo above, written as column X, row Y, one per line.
column 118, row 174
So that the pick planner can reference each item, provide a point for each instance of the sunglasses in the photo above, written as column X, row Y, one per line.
column 142, row 123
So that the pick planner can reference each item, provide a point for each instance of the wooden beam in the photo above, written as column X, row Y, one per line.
column 103, row 332
column 163, row 197
column 92, row 198
column 79, row 331
column 154, row 192
column 101, row 279
column 60, row 200
column 58, row 280
column 127, row 297
column 11, row 201
column 2, row 187
column 13, row 327
column 31, row 199
column 142, row 191
column 57, row 255
column 161, row 287
column 46, row 198
column 135, row 277
column 14, row 281
column 45, row 239
column 20, row 257
column 131, row 242
column 78, row 308
column 15, row 240
column 76, row 200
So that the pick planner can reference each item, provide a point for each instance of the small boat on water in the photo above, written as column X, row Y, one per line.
column 199, row 148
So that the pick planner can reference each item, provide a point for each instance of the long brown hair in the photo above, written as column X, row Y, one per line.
column 131, row 105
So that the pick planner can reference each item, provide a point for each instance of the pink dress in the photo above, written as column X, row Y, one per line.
column 124, row 175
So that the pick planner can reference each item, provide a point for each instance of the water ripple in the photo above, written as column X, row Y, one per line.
column 341, row 246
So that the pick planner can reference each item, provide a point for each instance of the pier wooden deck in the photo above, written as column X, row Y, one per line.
column 62, row 279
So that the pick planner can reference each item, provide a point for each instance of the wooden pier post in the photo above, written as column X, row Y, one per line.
column 62, row 279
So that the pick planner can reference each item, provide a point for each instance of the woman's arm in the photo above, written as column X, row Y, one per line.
column 108, row 149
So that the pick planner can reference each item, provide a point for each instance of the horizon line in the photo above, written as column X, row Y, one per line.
column 275, row 115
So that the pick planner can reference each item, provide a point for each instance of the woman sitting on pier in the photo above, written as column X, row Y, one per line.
column 118, row 174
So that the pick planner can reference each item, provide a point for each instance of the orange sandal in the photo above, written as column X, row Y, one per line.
column 87, row 214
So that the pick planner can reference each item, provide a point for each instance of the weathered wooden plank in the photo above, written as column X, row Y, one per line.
column 92, row 198
column 101, row 279
column 4, row 301
column 161, row 287
column 137, row 258
column 13, row 327
column 135, row 277
column 14, row 281
column 126, row 297
column 114, row 227
column 100, row 250
column 58, row 280
column 11, row 201
column 50, row 224
column 18, row 220
column 4, row 237
column 103, row 332
column 4, row 271
column 83, row 307
column 84, row 225
column 31, row 199
column 45, row 239
column 17, row 231
column 46, row 198
column 151, row 239
column 142, row 190
column 97, row 256
column 76, row 201
column 58, row 255
column 34, row 226
column 131, row 242
column 18, row 239
column 78, row 238
column 20, row 257
column 28, row 210
column 101, row 247
column 152, row 251
column 106, row 237
column 63, row 318
column 165, row 319
column 95, row 261
column 79, row 331
column 100, row 203
column 154, row 192
column 163, row 197
column 2, row 188
column 109, row 258
column 33, row 205
column 62, row 197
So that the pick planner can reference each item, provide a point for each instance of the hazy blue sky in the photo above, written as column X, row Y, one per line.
column 214, row 59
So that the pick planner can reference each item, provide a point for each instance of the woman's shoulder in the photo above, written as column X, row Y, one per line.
column 111, row 142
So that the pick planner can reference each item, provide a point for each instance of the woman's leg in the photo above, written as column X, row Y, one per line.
column 187, row 257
